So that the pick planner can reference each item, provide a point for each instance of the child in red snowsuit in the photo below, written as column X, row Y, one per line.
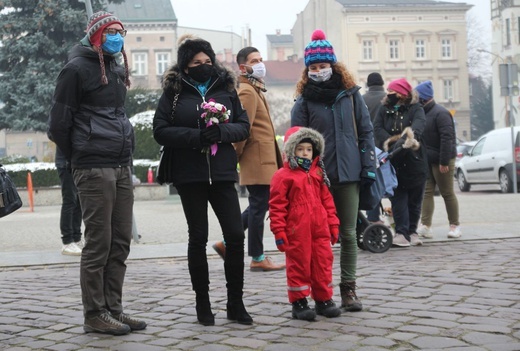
column 304, row 222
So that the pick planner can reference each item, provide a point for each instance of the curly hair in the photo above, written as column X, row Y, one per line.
column 346, row 77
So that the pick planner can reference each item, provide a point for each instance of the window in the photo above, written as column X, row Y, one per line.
column 139, row 64
column 448, row 89
column 508, row 32
column 446, row 48
column 163, row 60
column 518, row 21
column 394, row 49
column 138, row 39
column 367, row 50
column 420, row 49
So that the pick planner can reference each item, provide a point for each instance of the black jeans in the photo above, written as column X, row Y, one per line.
column 70, row 217
column 223, row 198
column 107, row 199
column 406, row 209
column 253, row 218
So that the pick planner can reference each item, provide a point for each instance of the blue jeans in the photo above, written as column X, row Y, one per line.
column 253, row 218
column 70, row 217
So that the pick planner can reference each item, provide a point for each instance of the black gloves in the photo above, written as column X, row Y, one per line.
column 211, row 134
column 399, row 143
column 366, row 182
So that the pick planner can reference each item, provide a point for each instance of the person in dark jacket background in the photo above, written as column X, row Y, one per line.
column 329, row 102
column 201, row 177
column 439, row 137
column 398, row 129
column 89, row 125
column 374, row 96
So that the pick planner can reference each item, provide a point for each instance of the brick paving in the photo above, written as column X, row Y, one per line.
column 461, row 295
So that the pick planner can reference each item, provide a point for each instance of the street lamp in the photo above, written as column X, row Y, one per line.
column 508, row 83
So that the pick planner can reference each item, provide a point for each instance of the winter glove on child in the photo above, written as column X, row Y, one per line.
column 281, row 241
column 211, row 133
column 334, row 234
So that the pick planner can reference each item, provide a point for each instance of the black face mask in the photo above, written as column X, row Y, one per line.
column 392, row 99
column 200, row 73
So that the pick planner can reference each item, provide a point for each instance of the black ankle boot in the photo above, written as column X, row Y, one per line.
column 203, row 308
column 237, row 312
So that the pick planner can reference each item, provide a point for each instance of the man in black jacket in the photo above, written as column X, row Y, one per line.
column 89, row 125
column 440, row 140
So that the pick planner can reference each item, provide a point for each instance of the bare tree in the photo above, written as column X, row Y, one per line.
column 479, row 63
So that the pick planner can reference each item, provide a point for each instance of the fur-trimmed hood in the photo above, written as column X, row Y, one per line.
column 172, row 78
column 295, row 135
column 410, row 142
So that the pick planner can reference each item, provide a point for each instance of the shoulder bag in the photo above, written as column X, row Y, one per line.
column 9, row 198
column 164, row 173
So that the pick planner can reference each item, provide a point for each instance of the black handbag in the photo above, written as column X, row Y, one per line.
column 9, row 198
column 164, row 173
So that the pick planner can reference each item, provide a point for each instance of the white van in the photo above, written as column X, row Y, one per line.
column 490, row 161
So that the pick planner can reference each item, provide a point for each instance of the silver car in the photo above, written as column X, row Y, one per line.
column 490, row 161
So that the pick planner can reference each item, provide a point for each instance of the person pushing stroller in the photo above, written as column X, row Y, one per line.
column 304, row 222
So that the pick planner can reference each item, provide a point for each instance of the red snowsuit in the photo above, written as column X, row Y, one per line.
column 301, row 205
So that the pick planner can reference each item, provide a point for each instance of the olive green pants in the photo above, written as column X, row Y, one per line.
column 346, row 199
column 445, row 183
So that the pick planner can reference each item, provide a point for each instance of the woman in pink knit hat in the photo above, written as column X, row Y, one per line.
column 398, row 127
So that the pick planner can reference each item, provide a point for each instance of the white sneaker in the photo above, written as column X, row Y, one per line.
column 400, row 240
column 414, row 240
column 454, row 232
column 81, row 243
column 71, row 250
column 425, row 232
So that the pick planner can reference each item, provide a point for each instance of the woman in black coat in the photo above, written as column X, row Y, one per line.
column 200, row 174
column 398, row 128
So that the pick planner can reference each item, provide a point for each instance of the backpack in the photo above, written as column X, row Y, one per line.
column 9, row 199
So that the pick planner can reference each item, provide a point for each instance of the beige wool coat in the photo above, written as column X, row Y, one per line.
column 259, row 156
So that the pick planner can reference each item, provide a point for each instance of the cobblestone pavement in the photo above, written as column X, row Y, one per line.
column 458, row 296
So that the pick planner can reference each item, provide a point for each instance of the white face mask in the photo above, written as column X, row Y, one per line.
column 322, row 75
column 259, row 70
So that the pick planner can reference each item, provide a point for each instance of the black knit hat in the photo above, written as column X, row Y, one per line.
column 375, row 79
column 189, row 46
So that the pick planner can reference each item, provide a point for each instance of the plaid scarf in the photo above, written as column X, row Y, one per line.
column 255, row 82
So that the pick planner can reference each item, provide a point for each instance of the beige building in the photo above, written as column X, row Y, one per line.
column 151, row 42
column 33, row 145
column 416, row 39
column 505, row 47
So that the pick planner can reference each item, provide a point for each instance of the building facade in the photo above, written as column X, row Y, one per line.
column 505, row 48
column 416, row 39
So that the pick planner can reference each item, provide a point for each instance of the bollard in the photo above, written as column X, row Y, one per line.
column 30, row 192
column 150, row 175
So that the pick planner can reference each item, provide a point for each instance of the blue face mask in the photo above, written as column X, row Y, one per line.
column 113, row 43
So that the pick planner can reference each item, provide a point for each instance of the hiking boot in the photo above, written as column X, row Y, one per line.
column 266, row 265
column 414, row 240
column 220, row 248
column 327, row 309
column 454, row 232
column 400, row 240
column 105, row 324
column 349, row 299
column 71, row 250
column 425, row 231
column 301, row 310
column 134, row 324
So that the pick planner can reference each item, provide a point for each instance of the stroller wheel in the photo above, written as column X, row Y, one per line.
column 377, row 238
column 360, row 228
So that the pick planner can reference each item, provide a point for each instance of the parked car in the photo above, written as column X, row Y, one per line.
column 490, row 161
column 462, row 150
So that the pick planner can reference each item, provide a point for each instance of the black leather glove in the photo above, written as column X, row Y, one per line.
column 399, row 143
column 366, row 182
column 203, row 140
column 212, row 133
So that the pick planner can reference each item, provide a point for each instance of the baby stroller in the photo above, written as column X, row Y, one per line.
column 376, row 237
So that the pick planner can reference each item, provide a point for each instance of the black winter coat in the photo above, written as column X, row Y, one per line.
column 87, row 121
column 439, row 134
column 373, row 99
column 190, row 164
column 411, row 166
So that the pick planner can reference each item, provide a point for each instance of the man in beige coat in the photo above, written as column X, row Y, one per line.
column 259, row 157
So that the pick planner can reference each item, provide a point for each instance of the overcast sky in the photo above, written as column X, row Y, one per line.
column 266, row 16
